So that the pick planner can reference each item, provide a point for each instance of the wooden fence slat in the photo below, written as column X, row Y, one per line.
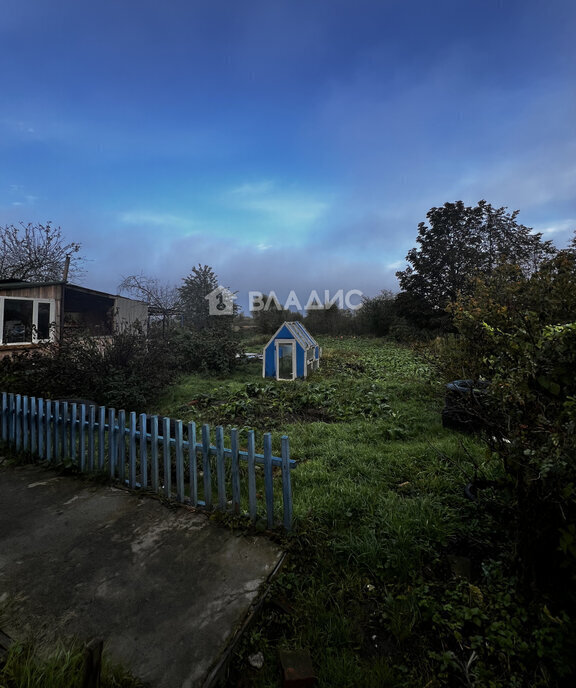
column 91, row 436
column 192, row 464
column 48, row 430
column 57, row 424
column 121, row 445
column 66, row 427
column 4, row 417
column 33, row 426
column 132, row 452
column 82, row 437
column 178, row 436
column 73, row 432
column 235, row 471
column 206, row 466
column 112, row 442
column 101, row 437
column 268, row 483
column 25, row 423
column 41, row 437
column 220, row 471
column 286, row 483
column 18, row 416
column 154, row 450
column 167, row 457
column 143, row 451
column 251, row 476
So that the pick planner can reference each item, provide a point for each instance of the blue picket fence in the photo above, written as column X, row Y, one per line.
column 155, row 453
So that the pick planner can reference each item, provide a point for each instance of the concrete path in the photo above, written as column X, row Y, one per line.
column 165, row 588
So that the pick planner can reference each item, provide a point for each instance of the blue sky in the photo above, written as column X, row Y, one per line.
column 289, row 144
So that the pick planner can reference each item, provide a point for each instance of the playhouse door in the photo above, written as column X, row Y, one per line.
column 285, row 360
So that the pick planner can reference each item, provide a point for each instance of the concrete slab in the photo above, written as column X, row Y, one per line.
column 165, row 588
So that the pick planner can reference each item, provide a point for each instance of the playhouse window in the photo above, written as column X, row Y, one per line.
column 25, row 321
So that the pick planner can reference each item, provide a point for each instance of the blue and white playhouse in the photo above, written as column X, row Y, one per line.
column 292, row 352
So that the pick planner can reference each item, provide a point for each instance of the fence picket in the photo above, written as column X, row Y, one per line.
column 154, row 450
column 268, row 483
column 54, row 431
column 167, row 457
column 101, row 435
column 17, row 422
column 120, row 431
column 25, row 421
column 81, row 437
column 91, row 436
column 220, row 472
column 33, row 426
column 286, row 483
column 41, row 438
column 48, row 429
column 132, row 450
column 57, row 428
column 206, row 466
column 112, row 442
column 193, row 464
column 178, row 436
column 235, row 471
column 143, row 451
column 4, row 417
column 251, row 475
column 66, row 426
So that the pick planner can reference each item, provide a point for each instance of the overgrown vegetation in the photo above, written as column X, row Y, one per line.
column 395, row 577
column 127, row 370
column 61, row 665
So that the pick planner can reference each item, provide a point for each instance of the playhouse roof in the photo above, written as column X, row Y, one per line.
column 295, row 330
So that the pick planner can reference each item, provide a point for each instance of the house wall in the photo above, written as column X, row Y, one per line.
column 84, row 309
column 128, row 312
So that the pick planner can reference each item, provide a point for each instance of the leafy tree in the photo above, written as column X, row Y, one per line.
column 377, row 314
column 461, row 242
column 329, row 320
column 199, row 283
column 519, row 332
column 36, row 253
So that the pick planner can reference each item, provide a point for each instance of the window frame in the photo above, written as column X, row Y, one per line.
column 36, row 301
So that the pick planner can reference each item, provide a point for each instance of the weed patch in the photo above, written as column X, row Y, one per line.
column 395, row 578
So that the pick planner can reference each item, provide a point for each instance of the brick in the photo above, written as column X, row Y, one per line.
column 297, row 669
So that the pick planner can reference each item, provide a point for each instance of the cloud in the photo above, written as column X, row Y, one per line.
column 249, row 189
column 286, row 208
column 155, row 219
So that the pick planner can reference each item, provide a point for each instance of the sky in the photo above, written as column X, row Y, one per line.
column 291, row 145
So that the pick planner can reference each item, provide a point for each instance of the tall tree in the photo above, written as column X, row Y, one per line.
column 37, row 253
column 195, row 307
column 462, row 241
column 377, row 313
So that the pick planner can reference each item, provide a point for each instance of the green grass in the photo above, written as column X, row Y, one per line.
column 381, row 517
column 56, row 665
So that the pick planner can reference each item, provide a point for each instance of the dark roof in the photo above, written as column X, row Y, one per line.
column 19, row 284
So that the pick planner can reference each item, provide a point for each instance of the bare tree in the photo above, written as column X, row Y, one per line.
column 163, row 300
column 37, row 253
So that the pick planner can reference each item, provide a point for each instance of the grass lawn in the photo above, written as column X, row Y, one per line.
column 394, row 577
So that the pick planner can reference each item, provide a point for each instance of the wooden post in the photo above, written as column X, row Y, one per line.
column 93, row 663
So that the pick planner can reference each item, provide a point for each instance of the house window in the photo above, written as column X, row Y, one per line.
column 25, row 321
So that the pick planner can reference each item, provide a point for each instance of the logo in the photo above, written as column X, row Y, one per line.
column 350, row 300
column 221, row 301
